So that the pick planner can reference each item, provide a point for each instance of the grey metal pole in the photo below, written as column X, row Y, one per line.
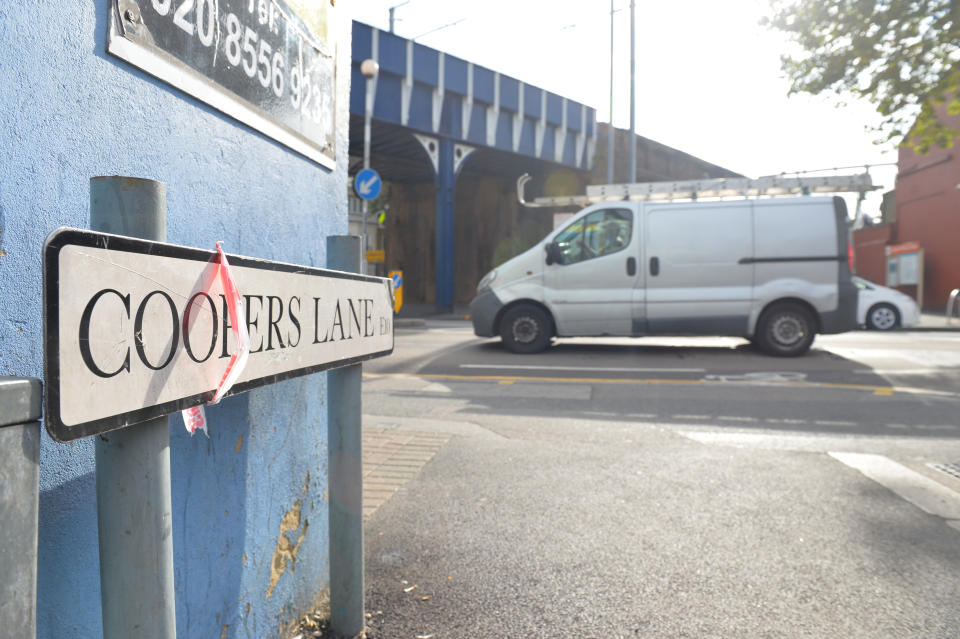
column 367, row 116
column 133, row 464
column 610, row 140
column 20, row 400
column 633, row 93
column 345, row 472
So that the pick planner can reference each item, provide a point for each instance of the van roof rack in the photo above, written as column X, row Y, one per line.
column 711, row 188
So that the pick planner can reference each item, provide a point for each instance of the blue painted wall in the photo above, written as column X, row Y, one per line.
column 68, row 112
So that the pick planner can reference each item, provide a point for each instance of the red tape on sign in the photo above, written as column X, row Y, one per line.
column 195, row 418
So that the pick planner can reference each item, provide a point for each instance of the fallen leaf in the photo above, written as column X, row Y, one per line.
column 427, row 598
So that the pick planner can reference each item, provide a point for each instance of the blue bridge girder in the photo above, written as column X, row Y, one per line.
column 451, row 107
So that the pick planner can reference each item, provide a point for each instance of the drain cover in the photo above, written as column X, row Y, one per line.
column 951, row 469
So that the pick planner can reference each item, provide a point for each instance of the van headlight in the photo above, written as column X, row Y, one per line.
column 487, row 281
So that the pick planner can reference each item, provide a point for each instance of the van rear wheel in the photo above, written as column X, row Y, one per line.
column 525, row 329
column 785, row 330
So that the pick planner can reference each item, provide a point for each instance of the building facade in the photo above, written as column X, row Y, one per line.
column 926, row 210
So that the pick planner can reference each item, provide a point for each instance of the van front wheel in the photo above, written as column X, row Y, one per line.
column 525, row 329
column 785, row 330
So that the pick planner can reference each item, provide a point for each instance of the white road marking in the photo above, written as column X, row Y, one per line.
column 923, row 492
column 604, row 369
column 759, row 377
column 690, row 417
column 737, row 419
column 935, row 427
column 829, row 423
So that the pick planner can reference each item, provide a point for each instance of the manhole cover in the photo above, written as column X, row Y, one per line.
column 951, row 469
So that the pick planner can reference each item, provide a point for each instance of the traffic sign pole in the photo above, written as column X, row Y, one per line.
column 367, row 185
column 134, row 511
column 345, row 472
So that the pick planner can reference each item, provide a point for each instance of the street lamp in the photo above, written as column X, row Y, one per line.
column 394, row 8
column 369, row 68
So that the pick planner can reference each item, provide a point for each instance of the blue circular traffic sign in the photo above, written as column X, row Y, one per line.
column 367, row 184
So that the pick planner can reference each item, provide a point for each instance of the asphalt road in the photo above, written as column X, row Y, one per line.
column 669, row 488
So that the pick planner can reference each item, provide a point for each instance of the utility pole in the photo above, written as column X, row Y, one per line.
column 369, row 68
column 633, row 93
column 394, row 8
column 610, row 138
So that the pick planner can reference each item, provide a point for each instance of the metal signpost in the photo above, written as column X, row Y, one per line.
column 367, row 185
column 19, row 491
column 135, row 329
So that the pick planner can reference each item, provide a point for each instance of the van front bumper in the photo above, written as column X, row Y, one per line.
column 483, row 313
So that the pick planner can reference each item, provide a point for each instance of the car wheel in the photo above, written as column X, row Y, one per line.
column 883, row 317
column 525, row 329
column 785, row 330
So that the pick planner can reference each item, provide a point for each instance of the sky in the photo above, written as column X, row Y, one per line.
column 708, row 75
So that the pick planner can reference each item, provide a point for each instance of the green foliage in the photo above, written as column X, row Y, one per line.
column 902, row 55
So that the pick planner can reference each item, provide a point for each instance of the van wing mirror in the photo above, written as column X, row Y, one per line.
column 553, row 253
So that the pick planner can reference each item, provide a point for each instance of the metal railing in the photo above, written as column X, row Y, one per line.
column 20, row 400
column 953, row 301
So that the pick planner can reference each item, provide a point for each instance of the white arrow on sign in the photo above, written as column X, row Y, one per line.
column 366, row 187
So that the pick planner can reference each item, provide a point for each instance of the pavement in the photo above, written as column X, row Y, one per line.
column 936, row 322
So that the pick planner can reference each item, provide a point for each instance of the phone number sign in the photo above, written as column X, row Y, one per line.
column 255, row 60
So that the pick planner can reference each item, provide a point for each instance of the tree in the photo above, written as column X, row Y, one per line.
column 901, row 55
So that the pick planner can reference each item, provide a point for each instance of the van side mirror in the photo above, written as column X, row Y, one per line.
column 553, row 253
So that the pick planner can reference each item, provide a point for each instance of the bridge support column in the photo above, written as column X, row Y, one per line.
column 445, row 238
column 447, row 158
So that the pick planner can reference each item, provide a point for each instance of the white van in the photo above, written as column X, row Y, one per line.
column 775, row 271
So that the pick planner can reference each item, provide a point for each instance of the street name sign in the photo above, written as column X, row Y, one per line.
column 135, row 329
column 259, row 61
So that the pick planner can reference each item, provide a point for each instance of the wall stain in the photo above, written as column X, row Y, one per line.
column 223, row 633
column 239, row 445
column 286, row 550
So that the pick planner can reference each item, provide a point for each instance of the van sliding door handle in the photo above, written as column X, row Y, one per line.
column 654, row 266
column 631, row 266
